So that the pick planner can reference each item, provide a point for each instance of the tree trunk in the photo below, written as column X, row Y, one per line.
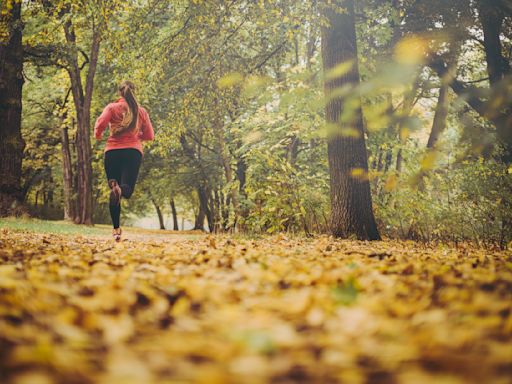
column 225, row 159
column 496, row 109
column 439, row 123
column 159, row 213
column 82, row 101
column 199, row 224
column 174, row 215
column 399, row 159
column 11, row 83
column 67, row 171
column 491, row 19
column 228, row 173
column 379, row 160
column 75, row 174
column 351, row 203
column 491, row 16
column 203, row 203
column 218, row 204
column 224, row 202
column 241, row 175
column 293, row 150
column 388, row 159
column 312, row 34
column 45, row 200
column 212, row 217
column 50, row 190
column 202, row 188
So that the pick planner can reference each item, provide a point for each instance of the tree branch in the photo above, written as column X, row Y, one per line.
column 269, row 56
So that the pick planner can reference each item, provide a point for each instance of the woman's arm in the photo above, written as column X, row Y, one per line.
column 102, row 122
column 147, row 133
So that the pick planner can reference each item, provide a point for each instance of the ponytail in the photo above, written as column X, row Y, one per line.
column 129, row 123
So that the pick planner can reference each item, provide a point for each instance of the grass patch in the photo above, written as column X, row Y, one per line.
column 66, row 228
column 58, row 227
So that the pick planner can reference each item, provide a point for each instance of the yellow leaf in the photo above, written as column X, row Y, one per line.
column 350, row 132
column 429, row 160
column 230, row 80
column 411, row 50
column 391, row 183
column 404, row 134
column 359, row 173
column 339, row 70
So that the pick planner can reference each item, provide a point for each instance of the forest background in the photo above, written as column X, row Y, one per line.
column 235, row 90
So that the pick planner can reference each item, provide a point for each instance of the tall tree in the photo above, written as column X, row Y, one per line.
column 498, row 68
column 491, row 17
column 351, row 203
column 439, row 122
column 11, row 83
column 67, row 173
column 82, row 96
column 77, row 52
column 174, row 215
column 158, row 211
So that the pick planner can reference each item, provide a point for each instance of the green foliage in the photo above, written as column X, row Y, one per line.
column 282, row 197
column 235, row 92
column 455, row 201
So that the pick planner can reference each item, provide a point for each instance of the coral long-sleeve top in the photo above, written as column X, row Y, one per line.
column 113, row 115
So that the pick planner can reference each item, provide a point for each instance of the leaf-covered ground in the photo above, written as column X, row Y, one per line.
column 169, row 309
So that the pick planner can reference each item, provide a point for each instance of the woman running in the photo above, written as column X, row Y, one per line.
column 129, row 126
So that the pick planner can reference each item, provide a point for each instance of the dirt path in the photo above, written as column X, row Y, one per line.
column 166, row 308
column 139, row 235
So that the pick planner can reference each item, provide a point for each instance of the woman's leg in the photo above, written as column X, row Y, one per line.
column 130, row 171
column 113, row 170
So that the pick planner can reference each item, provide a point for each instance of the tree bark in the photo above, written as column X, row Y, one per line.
column 159, row 213
column 224, row 202
column 67, row 171
column 399, row 159
column 491, row 18
column 293, row 150
column 50, row 190
column 491, row 15
column 396, row 36
column 228, row 173
column 497, row 115
column 211, row 214
column 407, row 107
column 505, row 6
column 225, row 159
column 174, row 215
column 82, row 101
column 217, row 203
column 439, row 122
column 11, row 83
column 312, row 34
column 388, row 159
column 241, row 175
column 379, row 163
column 199, row 223
column 201, row 188
column 351, row 203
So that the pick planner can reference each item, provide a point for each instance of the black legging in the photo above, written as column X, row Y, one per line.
column 123, row 166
